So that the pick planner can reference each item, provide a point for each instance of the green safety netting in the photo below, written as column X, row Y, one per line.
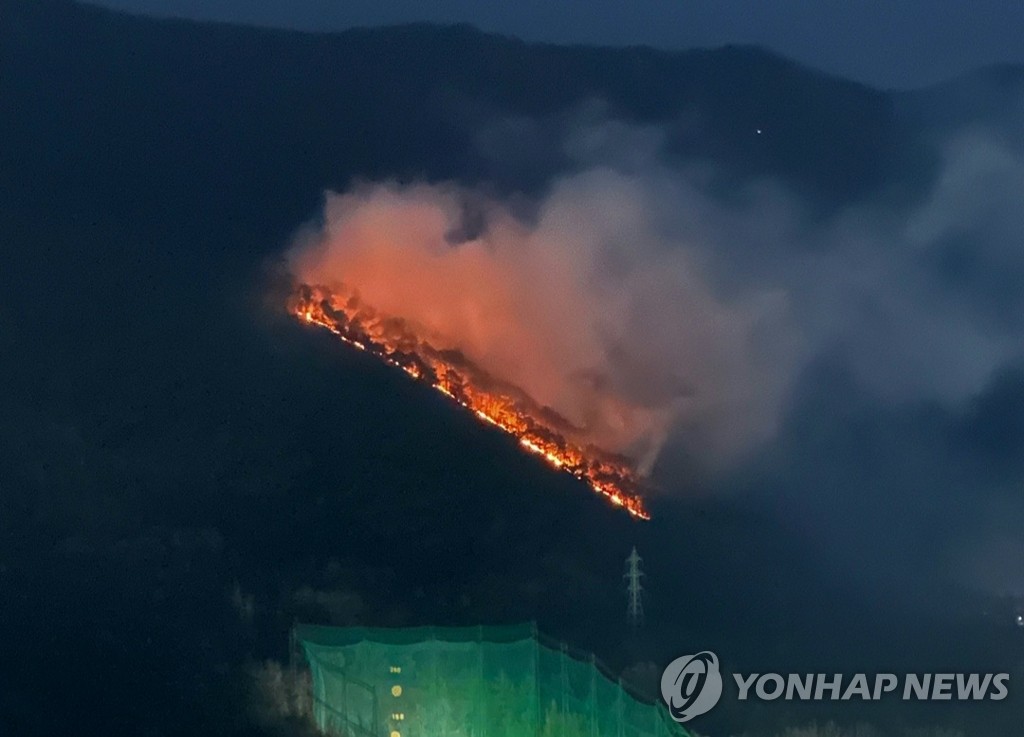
column 467, row 682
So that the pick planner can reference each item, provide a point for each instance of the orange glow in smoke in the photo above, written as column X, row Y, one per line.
column 539, row 430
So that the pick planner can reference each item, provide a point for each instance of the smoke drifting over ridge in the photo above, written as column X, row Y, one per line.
column 646, row 310
column 585, row 305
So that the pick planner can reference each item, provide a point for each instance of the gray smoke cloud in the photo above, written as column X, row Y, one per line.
column 595, row 305
column 919, row 302
column 646, row 308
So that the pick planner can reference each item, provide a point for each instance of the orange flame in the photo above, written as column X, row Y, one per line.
column 540, row 430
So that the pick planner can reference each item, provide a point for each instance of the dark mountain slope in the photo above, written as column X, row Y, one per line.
column 992, row 98
column 141, row 117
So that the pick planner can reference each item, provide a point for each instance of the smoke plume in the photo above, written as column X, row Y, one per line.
column 647, row 309
column 586, row 302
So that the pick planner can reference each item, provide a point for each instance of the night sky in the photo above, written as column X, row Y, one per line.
column 886, row 44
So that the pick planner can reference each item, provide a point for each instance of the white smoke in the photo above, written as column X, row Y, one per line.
column 590, row 306
column 641, row 306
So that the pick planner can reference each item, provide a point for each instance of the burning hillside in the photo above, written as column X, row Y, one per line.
column 539, row 430
column 576, row 324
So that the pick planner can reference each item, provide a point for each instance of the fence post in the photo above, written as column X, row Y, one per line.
column 536, row 680
column 619, row 708
column 479, row 729
column 565, row 681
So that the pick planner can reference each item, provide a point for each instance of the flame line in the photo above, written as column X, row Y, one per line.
column 610, row 478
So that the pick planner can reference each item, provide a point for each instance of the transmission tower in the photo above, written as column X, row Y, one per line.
column 634, row 590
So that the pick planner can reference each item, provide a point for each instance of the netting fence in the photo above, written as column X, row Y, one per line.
column 467, row 682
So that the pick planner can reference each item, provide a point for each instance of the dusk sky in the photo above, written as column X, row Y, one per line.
column 886, row 44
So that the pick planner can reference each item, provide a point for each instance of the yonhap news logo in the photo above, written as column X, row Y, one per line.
column 692, row 684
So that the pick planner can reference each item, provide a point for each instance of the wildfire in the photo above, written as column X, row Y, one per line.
column 539, row 430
